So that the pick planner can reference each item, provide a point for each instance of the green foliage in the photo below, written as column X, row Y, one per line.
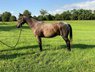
column 66, row 15
column 40, row 17
column 13, row 18
column 0, row 17
column 27, row 13
column 49, row 17
column 80, row 14
column 6, row 16
column 26, row 57
column 46, row 17
column 57, row 17
column 93, row 15
column 74, row 14
column 43, row 12
column 35, row 17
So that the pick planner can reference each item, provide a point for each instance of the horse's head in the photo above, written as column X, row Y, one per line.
column 21, row 20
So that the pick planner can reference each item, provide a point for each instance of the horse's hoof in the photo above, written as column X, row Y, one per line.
column 40, row 50
column 69, row 49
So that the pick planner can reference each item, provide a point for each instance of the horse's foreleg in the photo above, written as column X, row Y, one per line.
column 40, row 43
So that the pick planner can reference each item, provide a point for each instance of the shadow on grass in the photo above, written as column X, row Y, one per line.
column 12, row 56
column 21, row 48
column 81, row 46
column 9, row 28
column 47, row 47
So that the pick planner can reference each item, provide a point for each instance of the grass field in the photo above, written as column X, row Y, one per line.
column 26, row 57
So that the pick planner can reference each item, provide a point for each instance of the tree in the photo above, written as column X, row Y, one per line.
column 0, row 17
column 93, row 15
column 27, row 13
column 84, row 14
column 49, row 17
column 57, row 17
column 66, row 15
column 43, row 12
column 74, row 14
column 13, row 18
column 35, row 17
column 88, row 14
column 6, row 16
column 40, row 17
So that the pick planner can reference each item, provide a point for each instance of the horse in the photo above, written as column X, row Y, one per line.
column 45, row 30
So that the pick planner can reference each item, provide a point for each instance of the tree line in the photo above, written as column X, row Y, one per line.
column 75, row 14
column 7, row 16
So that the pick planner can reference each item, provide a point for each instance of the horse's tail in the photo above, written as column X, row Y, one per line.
column 70, row 31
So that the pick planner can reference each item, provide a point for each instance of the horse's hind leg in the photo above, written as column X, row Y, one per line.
column 65, row 37
column 67, row 43
column 40, row 43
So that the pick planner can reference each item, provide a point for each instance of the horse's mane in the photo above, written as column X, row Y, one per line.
column 34, row 20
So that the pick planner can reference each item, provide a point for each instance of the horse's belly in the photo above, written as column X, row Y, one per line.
column 50, row 31
column 50, row 34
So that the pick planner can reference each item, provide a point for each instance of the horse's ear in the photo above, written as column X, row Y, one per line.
column 20, row 14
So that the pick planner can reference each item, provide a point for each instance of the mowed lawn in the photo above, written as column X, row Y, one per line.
column 26, row 57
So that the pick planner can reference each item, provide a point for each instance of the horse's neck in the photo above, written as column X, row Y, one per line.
column 30, row 22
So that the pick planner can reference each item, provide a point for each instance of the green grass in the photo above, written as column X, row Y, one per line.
column 26, row 57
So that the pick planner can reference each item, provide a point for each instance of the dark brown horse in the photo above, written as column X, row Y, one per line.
column 41, row 29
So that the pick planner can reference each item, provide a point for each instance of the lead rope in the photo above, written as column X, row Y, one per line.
column 16, row 42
